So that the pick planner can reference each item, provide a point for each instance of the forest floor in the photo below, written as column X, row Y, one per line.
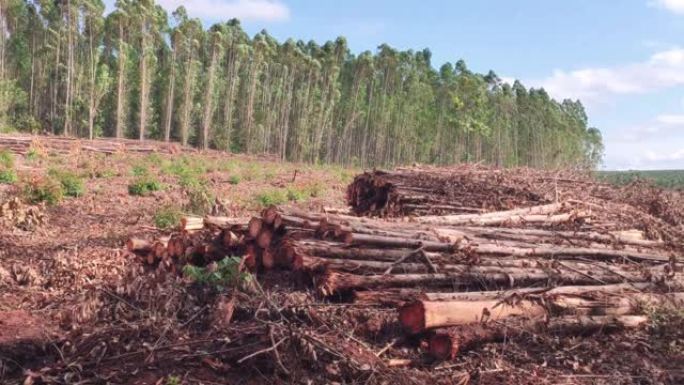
column 67, row 315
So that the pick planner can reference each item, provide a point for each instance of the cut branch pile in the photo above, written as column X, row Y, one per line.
column 426, row 191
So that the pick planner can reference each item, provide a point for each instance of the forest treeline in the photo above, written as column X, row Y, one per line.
column 138, row 72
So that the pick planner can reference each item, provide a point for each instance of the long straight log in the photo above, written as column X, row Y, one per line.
column 225, row 222
column 447, row 344
column 555, row 236
column 498, row 217
column 399, row 297
column 486, row 274
column 423, row 315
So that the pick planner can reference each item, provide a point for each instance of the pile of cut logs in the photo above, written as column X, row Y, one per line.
column 429, row 190
column 458, row 279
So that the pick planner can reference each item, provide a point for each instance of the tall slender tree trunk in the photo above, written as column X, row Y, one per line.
column 92, row 107
column 187, row 98
column 70, row 70
column 169, row 97
column 229, row 105
column 143, row 81
column 250, row 105
column 209, row 99
column 121, row 85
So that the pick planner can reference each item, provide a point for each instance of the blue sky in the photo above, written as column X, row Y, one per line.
column 623, row 58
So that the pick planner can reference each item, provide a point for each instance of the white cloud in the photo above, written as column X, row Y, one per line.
column 265, row 10
column 671, row 120
column 662, row 70
column 676, row 6
column 652, row 156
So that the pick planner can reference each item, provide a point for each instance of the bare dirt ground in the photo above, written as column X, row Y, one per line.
column 76, row 308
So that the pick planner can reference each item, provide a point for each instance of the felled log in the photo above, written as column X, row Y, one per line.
column 402, row 296
column 544, row 213
column 465, row 274
column 138, row 245
column 447, row 344
column 424, row 315
column 225, row 222
column 191, row 223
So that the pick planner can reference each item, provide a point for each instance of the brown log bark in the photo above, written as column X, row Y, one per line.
column 447, row 344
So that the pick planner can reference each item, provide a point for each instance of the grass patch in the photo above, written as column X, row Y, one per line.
column 140, row 170
column 234, row 180
column 72, row 184
column 32, row 155
column 144, row 186
column 8, row 176
column 6, row 159
column 167, row 217
column 271, row 197
column 46, row 190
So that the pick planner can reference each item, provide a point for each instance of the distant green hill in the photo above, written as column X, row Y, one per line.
column 663, row 178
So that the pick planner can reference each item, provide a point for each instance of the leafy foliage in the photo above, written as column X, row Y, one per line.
column 7, row 173
column 143, row 186
column 220, row 274
column 46, row 190
column 72, row 184
column 8, row 176
column 271, row 197
column 167, row 217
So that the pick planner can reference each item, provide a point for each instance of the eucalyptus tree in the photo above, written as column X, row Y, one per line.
column 66, row 68
column 190, row 31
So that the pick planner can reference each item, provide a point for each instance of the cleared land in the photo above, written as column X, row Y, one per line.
column 75, row 305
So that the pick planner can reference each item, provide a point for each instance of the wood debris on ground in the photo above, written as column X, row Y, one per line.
column 487, row 263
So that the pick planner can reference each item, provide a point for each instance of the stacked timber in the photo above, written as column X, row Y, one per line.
column 480, row 267
column 429, row 190
column 198, row 241
column 461, row 280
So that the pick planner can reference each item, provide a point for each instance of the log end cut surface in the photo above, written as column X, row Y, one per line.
column 412, row 317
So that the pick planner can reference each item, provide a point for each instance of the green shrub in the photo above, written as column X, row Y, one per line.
column 8, row 177
column 46, row 190
column 143, row 186
column 200, row 199
column 315, row 190
column 104, row 173
column 32, row 154
column 295, row 195
column 167, row 217
column 225, row 272
column 234, row 179
column 6, row 159
column 271, row 197
column 72, row 184
column 139, row 170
